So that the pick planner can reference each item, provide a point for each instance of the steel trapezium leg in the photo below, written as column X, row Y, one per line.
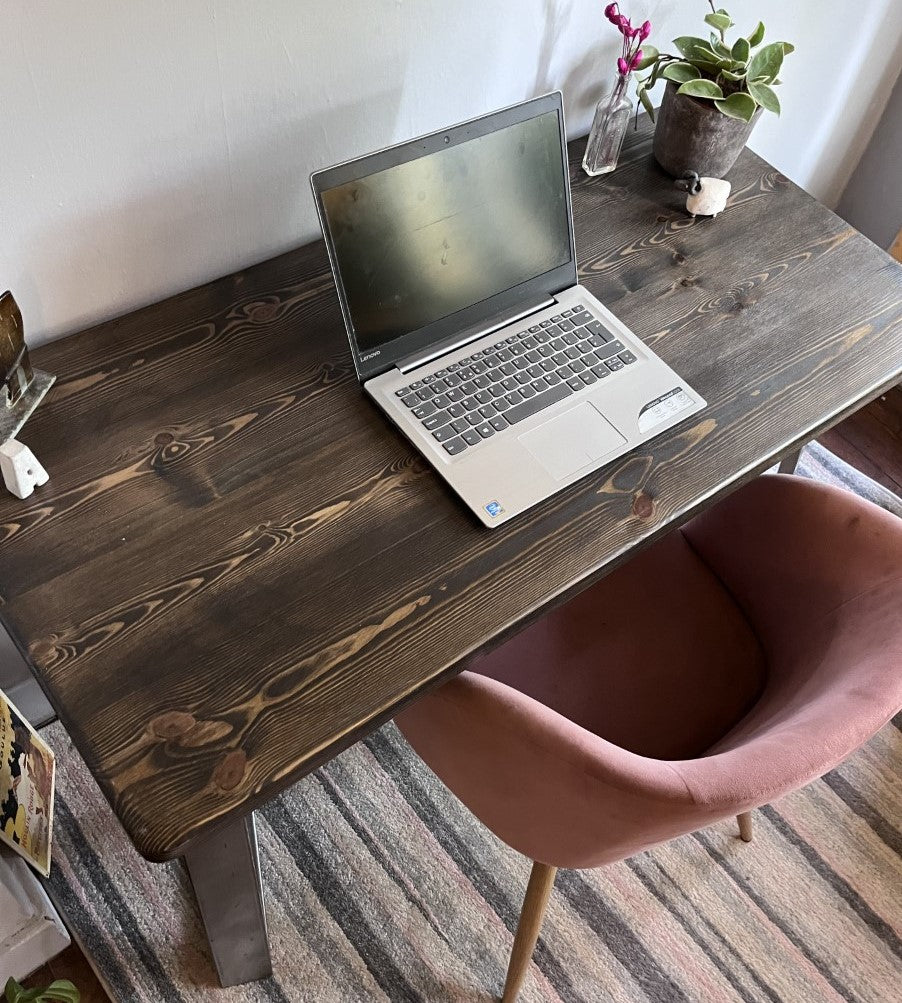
column 225, row 871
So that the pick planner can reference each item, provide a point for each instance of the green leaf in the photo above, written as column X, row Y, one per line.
column 734, row 77
column 60, row 991
column 705, row 53
column 765, row 96
column 649, row 55
column 723, row 51
column 680, row 72
column 717, row 46
column 787, row 48
column 719, row 21
column 711, row 69
column 686, row 42
column 710, row 61
column 646, row 103
column 741, row 49
column 701, row 89
column 757, row 36
column 738, row 105
column 15, row 993
column 766, row 62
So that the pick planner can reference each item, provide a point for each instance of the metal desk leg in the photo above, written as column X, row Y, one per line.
column 789, row 463
column 20, row 685
column 225, row 871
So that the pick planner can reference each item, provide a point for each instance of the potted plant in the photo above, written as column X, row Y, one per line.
column 714, row 95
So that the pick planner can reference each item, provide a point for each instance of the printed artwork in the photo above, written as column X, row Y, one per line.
column 26, row 788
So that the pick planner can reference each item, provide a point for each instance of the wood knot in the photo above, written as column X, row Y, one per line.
column 172, row 724
column 231, row 769
column 663, row 219
column 43, row 651
column 687, row 281
column 678, row 258
column 164, row 438
column 643, row 506
column 205, row 733
column 260, row 313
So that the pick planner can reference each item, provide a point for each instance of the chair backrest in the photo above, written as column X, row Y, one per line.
column 655, row 657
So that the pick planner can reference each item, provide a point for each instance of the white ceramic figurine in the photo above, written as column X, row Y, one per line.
column 707, row 196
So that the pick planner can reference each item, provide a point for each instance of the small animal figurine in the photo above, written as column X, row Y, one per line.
column 707, row 196
column 16, row 374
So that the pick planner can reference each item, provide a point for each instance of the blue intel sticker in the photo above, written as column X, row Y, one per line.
column 494, row 508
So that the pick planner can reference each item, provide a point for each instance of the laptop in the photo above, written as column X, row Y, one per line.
column 455, row 266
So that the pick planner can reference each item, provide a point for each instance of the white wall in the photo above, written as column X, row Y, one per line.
column 873, row 203
column 149, row 145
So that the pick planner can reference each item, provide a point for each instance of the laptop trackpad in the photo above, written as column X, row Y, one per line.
column 575, row 439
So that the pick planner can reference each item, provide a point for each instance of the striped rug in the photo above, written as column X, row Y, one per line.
column 820, row 464
column 381, row 886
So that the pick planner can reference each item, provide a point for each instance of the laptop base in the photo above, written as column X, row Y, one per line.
column 515, row 416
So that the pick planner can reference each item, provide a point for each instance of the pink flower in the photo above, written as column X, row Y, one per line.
column 629, row 59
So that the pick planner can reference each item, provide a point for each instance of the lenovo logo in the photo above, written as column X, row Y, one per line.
column 370, row 355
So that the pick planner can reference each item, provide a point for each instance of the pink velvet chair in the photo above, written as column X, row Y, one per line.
column 731, row 662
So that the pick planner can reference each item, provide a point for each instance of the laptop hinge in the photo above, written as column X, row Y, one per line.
column 470, row 334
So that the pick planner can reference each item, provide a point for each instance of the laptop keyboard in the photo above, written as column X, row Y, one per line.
column 512, row 380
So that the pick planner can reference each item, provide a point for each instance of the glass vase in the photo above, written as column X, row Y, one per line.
column 612, row 116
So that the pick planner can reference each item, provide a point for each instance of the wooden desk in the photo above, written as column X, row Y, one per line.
column 239, row 568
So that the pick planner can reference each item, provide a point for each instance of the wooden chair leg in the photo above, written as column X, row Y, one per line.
column 745, row 826
column 541, row 881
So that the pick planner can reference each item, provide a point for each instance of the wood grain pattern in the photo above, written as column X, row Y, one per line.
column 238, row 568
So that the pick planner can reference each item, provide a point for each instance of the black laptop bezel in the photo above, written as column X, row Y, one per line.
column 538, row 288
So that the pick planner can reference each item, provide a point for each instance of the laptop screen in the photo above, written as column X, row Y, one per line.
column 430, row 237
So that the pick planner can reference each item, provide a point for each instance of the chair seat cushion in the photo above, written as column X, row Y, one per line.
column 655, row 658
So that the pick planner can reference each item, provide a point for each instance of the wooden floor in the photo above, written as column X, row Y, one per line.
column 71, row 965
column 870, row 440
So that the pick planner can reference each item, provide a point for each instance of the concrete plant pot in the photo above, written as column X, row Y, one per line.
column 692, row 135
